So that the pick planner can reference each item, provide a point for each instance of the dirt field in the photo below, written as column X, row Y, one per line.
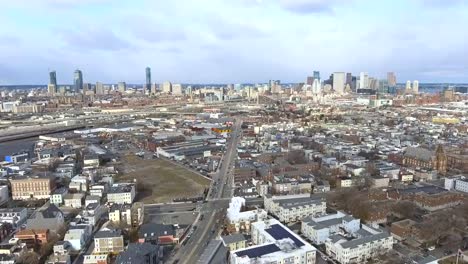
column 161, row 180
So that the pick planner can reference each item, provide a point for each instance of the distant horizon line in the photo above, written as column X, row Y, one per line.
column 246, row 83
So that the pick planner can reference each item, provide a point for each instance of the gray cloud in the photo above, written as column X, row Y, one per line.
column 95, row 39
column 309, row 6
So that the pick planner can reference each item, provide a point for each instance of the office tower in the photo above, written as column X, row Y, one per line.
column 78, row 81
column 275, row 86
column 349, row 78
column 316, row 86
column 86, row 87
column 154, row 88
column 167, row 87
column 339, row 82
column 363, row 80
column 408, row 87
column 148, row 79
column 99, row 88
column 353, row 83
column 52, row 87
column 177, row 89
column 317, row 75
column 391, row 79
column 310, row 80
column 416, row 87
column 237, row 87
column 122, row 87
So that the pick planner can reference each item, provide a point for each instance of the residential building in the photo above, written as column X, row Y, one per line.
column 33, row 237
column 319, row 229
column 47, row 217
column 274, row 243
column 74, row 200
column 140, row 253
column 160, row 234
column 122, row 193
column 291, row 208
column 366, row 244
column 108, row 242
column 234, row 242
column 96, row 259
column 238, row 221
column 93, row 213
column 25, row 187
column 57, row 196
column 13, row 216
column 78, row 236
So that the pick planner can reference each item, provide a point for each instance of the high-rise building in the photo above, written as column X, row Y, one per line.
column 167, row 87
column 78, row 81
column 86, row 87
column 363, row 80
column 416, row 87
column 148, row 79
column 310, row 80
column 391, row 79
column 177, row 89
column 317, row 75
column 339, row 82
column 275, row 86
column 408, row 87
column 349, row 78
column 99, row 88
column 154, row 88
column 122, row 87
column 316, row 86
column 52, row 88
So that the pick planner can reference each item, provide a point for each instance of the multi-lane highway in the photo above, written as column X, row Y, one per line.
column 212, row 212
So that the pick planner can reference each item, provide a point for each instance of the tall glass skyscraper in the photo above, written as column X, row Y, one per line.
column 317, row 75
column 78, row 81
column 148, row 79
column 53, row 78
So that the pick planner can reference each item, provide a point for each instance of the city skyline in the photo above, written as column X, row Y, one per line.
column 248, row 42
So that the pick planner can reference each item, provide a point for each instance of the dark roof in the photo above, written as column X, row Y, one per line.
column 138, row 253
column 233, row 238
column 50, row 212
column 156, row 229
column 278, row 233
column 258, row 251
column 108, row 233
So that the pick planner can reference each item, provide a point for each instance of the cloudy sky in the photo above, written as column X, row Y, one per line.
column 232, row 41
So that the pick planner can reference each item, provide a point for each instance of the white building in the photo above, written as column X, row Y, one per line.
column 459, row 183
column 416, row 87
column 121, row 193
column 291, row 208
column 274, row 243
column 318, row 229
column 78, row 236
column 167, row 87
column 93, row 213
column 177, row 89
column 14, row 216
column 339, row 79
column 57, row 196
column 408, row 87
column 363, row 80
column 242, row 220
column 74, row 200
column 365, row 244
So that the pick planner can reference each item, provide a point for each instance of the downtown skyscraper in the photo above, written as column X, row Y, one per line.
column 78, row 81
column 52, row 87
column 391, row 79
column 148, row 79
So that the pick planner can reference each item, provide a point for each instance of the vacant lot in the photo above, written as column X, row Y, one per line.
column 161, row 181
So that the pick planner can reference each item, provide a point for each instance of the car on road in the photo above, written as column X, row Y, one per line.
column 201, row 217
